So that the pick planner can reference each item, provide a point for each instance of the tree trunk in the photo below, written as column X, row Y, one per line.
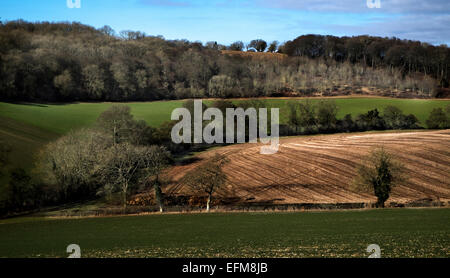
column 158, row 194
column 124, row 193
column 124, row 201
column 208, row 202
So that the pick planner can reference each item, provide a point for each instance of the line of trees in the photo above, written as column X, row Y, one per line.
column 74, row 62
column 309, row 118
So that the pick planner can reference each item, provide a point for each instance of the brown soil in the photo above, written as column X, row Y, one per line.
column 255, row 55
column 320, row 169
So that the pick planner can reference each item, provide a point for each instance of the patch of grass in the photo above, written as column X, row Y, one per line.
column 24, row 140
column 61, row 118
column 399, row 233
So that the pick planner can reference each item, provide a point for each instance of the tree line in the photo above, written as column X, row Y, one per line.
column 62, row 62
column 406, row 55
column 309, row 118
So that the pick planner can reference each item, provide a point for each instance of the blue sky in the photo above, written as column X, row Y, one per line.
column 226, row 21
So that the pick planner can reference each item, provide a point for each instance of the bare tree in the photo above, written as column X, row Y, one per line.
column 157, row 159
column 116, row 122
column 70, row 163
column 123, row 167
column 208, row 177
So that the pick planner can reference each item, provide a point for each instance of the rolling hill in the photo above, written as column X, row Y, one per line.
column 320, row 169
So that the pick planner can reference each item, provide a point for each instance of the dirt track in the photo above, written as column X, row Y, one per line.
column 320, row 169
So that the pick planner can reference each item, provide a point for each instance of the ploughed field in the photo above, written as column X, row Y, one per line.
column 321, row 169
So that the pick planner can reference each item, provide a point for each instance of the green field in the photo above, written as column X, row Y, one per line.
column 399, row 233
column 60, row 118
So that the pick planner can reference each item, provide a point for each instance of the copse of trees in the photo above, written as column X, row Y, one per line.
column 73, row 62
column 408, row 56
column 105, row 160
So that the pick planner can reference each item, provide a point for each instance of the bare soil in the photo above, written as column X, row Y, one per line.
column 321, row 169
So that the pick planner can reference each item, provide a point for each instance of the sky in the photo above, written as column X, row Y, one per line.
column 226, row 21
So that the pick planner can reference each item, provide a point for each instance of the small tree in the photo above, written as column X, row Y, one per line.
column 393, row 117
column 259, row 45
column 380, row 173
column 307, row 116
column 237, row 46
column 438, row 119
column 207, row 177
column 371, row 120
column 273, row 46
column 326, row 115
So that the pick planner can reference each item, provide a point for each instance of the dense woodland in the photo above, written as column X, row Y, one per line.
column 63, row 62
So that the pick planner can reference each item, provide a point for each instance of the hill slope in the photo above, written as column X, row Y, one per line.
column 320, row 169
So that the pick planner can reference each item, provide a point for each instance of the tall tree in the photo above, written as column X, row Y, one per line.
column 158, row 158
column 123, row 167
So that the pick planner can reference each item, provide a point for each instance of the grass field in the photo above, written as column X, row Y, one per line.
column 60, row 118
column 399, row 233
